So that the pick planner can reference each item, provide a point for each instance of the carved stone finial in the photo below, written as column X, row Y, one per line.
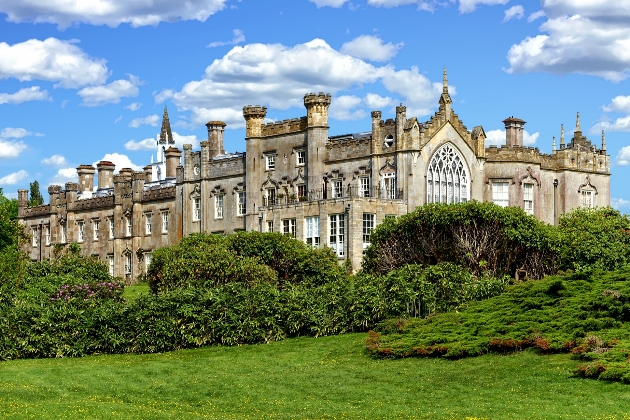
column 553, row 144
column 577, row 122
column 165, row 133
column 445, row 82
column 603, row 141
column 561, row 136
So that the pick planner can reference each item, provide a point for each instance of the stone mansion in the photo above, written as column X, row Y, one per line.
column 296, row 178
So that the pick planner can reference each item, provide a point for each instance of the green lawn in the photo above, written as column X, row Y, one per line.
column 132, row 292
column 305, row 378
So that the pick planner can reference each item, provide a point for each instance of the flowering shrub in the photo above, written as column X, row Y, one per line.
column 87, row 292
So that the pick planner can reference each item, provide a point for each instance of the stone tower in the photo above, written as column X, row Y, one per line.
column 317, row 134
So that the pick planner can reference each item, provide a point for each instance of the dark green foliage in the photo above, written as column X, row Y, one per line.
column 594, row 238
column 35, row 197
column 483, row 237
column 589, row 318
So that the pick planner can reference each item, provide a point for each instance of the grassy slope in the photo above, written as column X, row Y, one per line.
column 133, row 292
column 306, row 378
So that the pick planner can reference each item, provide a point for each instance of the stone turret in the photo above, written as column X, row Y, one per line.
column 105, row 174
column 215, row 138
column 514, row 131
column 254, row 117
column 317, row 109
column 166, row 135
column 22, row 202
column 401, row 119
column 172, row 161
column 86, row 177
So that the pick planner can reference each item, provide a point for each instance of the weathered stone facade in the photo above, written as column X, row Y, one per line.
column 296, row 178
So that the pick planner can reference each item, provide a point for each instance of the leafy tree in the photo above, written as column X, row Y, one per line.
column 36, row 196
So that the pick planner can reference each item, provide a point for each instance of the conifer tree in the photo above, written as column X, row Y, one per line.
column 36, row 196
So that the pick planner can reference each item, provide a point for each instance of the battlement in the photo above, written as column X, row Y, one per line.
column 255, row 111
column 321, row 98
column 348, row 146
column 158, row 194
column 294, row 125
column 94, row 203
column 55, row 189
column 37, row 211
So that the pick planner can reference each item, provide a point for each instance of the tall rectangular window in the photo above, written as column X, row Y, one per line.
column 241, row 208
column 128, row 263
column 271, row 196
column 196, row 203
column 312, row 231
column 301, row 157
column 147, row 261
column 81, row 235
column 110, row 263
column 164, row 222
column 269, row 225
column 528, row 198
column 128, row 226
column 148, row 225
column 368, row 226
column 64, row 233
column 270, row 162
column 47, row 235
column 337, row 233
column 110, row 221
column 288, row 227
column 364, row 186
column 301, row 191
column 587, row 199
column 500, row 193
column 95, row 224
column 34, row 233
column 337, row 189
column 218, row 206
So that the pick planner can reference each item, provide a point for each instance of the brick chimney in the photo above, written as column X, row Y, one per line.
column 172, row 156
column 105, row 174
column 514, row 131
column 215, row 138
column 86, row 177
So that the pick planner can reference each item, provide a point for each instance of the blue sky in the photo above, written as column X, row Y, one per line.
column 83, row 80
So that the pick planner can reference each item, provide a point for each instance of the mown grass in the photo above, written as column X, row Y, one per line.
column 305, row 378
column 133, row 292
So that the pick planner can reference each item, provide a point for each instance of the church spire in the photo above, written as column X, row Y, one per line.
column 445, row 82
column 445, row 98
column 561, row 136
column 165, row 134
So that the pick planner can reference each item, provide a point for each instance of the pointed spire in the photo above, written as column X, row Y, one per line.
column 561, row 136
column 577, row 122
column 603, row 141
column 165, row 133
column 553, row 144
column 445, row 82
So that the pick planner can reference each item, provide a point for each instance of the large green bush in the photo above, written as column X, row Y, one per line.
column 483, row 237
column 594, row 238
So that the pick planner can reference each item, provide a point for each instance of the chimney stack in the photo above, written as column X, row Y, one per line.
column 215, row 138
column 86, row 177
column 105, row 174
column 514, row 132
column 148, row 173
column 172, row 156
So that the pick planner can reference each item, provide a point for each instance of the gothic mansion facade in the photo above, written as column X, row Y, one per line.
column 296, row 179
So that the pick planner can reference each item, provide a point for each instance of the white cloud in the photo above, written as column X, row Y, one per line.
column 619, row 203
column 497, row 138
column 239, row 36
column 111, row 92
column 16, row 133
column 536, row 15
column 341, row 108
column 109, row 12
column 329, row 3
column 34, row 93
column 465, row 6
column 119, row 119
column 514, row 12
column 151, row 120
column 52, row 60
column 375, row 101
column 151, row 144
column 11, row 149
column 55, row 160
column 163, row 96
column 279, row 76
column 13, row 178
column 620, row 124
column 64, row 175
column 134, row 106
column 623, row 157
column 121, row 161
column 371, row 48
column 619, row 104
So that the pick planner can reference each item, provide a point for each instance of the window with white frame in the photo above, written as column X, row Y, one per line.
column 364, row 186
column 64, row 233
column 147, row 261
column 164, row 222
column 528, row 198
column 288, row 227
column 337, row 233
column 110, row 222
column 447, row 177
column 389, row 185
column 270, row 196
column 369, row 221
column 312, row 230
column 270, row 162
column 127, row 225
column 218, row 206
column 301, row 191
column 241, row 208
column 81, row 235
column 269, row 225
column 110, row 263
column 47, row 235
column 587, row 198
column 128, row 262
column 196, row 210
column 337, row 189
column 95, row 225
column 301, row 157
column 148, row 223
column 500, row 193
column 34, row 240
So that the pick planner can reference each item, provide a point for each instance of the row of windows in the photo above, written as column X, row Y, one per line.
column 219, row 206
column 128, row 263
column 270, row 160
column 500, row 196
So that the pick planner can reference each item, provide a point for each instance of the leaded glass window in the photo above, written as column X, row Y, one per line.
column 447, row 178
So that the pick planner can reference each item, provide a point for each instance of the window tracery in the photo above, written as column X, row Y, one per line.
column 447, row 177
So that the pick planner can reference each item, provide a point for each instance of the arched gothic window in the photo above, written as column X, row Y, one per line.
column 447, row 178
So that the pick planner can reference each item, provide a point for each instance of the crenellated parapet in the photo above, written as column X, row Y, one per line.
column 294, row 125
column 317, row 108
column 254, row 117
column 37, row 211
column 92, row 203
column 566, row 159
column 158, row 194
column 346, row 147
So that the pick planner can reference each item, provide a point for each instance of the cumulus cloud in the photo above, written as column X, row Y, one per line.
column 618, row 104
column 623, row 157
column 121, row 161
column 11, row 149
column 344, row 108
column 164, row 95
column 111, row 92
column 151, row 120
column 134, row 106
column 585, row 37
column 55, row 160
column 536, row 15
column 372, row 48
column 13, row 178
column 34, row 93
column 514, row 12
column 619, row 124
column 112, row 13
column 53, row 60
column 329, row 3
column 16, row 133
column 279, row 76
column 465, row 6
column 619, row 203
column 64, row 175
column 239, row 36
column 151, row 144
column 376, row 101
column 497, row 138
